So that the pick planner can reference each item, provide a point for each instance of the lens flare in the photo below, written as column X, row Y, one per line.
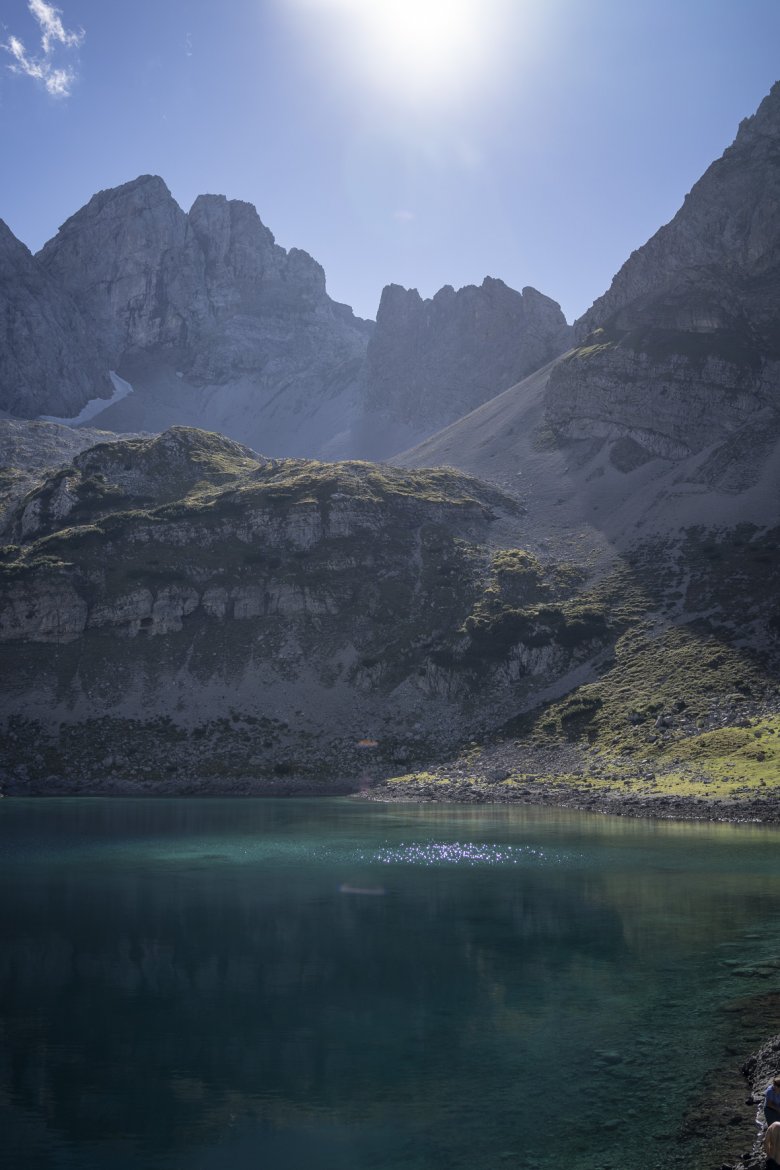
column 409, row 49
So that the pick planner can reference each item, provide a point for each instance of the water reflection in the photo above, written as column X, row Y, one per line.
column 353, row 985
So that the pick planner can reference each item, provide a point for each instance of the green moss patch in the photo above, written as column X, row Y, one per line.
column 738, row 760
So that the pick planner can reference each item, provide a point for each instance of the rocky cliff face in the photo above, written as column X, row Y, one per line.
column 666, row 415
column 182, row 607
column 716, row 265
column 130, row 263
column 48, row 357
column 684, row 349
column 210, row 318
column 666, row 404
column 432, row 361
column 213, row 324
column 212, row 287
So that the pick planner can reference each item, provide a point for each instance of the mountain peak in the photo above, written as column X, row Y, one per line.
column 144, row 191
column 726, row 233
column 431, row 361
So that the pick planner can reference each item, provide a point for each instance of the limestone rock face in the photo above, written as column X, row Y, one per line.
column 684, row 348
column 113, row 475
column 48, row 357
column 432, row 361
column 269, row 314
column 129, row 261
column 716, row 265
column 29, row 449
column 233, row 617
column 210, row 290
column 669, row 405
column 210, row 320
column 210, row 323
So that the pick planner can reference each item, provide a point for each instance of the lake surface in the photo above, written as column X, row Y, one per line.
column 335, row 985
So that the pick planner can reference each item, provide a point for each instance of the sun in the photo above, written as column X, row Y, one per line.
column 411, row 50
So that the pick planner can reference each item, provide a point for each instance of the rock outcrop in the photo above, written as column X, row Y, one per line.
column 29, row 449
column 432, row 361
column 227, row 617
column 683, row 350
column 758, row 1071
column 49, row 361
column 211, row 321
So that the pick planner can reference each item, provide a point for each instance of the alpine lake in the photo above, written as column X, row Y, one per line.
column 333, row 984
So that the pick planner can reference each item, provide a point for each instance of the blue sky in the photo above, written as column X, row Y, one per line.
column 540, row 143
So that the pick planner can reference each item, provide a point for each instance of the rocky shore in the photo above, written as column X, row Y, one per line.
column 568, row 776
column 758, row 1071
column 560, row 777
column 556, row 794
column 723, row 1127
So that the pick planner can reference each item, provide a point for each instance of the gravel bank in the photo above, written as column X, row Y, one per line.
column 558, row 795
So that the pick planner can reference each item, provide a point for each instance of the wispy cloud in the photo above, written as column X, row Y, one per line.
column 52, row 29
column 56, row 78
column 403, row 216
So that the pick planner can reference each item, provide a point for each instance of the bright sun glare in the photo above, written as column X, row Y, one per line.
column 410, row 49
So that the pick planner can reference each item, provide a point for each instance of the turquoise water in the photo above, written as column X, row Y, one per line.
column 333, row 985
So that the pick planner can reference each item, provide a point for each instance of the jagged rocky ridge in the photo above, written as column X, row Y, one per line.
column 431, row 361
column 177, row 609
column 214, row 324
column 683, row 350
column 207, row 317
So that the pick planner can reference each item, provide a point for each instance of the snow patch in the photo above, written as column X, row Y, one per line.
column 95, row 406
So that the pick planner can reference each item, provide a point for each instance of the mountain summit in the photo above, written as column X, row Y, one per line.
column 716, row 266
column 431, row 361
column 209, row 322
column 682, row 354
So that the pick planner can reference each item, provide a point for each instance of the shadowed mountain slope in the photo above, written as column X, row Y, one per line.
column 651, row 452
column 602, row 598
column 667, row 414
column 49, row 360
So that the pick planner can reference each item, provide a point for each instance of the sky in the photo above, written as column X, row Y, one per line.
column 416, row 142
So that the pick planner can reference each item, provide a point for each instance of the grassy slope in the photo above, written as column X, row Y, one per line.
column 688, row 705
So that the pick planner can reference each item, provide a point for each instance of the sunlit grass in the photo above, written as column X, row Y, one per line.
column 729, row 763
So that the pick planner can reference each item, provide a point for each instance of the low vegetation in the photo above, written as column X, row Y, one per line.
column 684, row 705
column 664, row 673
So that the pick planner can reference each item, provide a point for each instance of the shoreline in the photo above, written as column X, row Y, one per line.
column 723, row 1125
column 570, row 775
column 427, row 788
column 757, row 1071
column 505, row 771
column 753, row 811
